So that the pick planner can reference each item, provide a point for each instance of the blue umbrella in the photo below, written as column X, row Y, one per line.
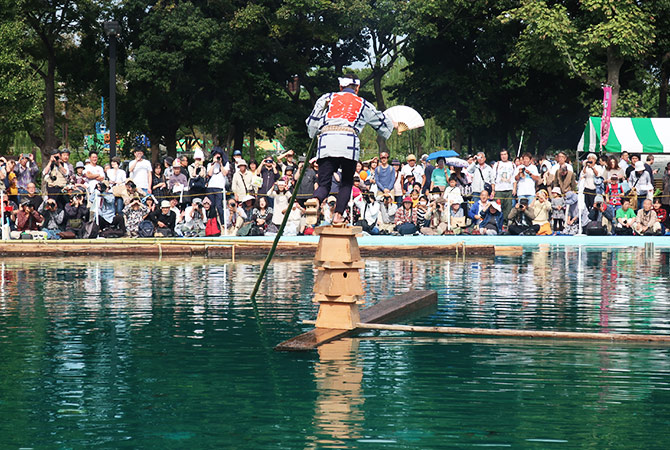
column 443, row 154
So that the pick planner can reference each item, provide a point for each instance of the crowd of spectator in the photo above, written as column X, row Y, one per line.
column 222, row 195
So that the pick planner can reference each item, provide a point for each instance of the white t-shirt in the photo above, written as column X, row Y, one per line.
column 140, row 174
column 417, row 171
column 526, row 185
column 218, row 180
column 96, row 170
column 503, row 175
column 116, row 177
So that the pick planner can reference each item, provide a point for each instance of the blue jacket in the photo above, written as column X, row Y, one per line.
column 496, row 218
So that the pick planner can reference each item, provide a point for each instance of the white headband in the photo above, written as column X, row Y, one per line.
column 345, row 81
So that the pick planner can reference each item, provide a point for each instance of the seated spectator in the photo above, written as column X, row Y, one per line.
column 27, row 219
column 247, row 203
column 54, row 217
column 661, row 214
column 235, row 219
column 262, row 216
column 328, row 210
column 491, row 219
column 150, row 203
column 370, row 212
column 457, row 218
column 387, row 210
column 32, row 196
column 76, row 213
column 572, row 226
column 105, row 210
column 213, row 224
column 164, row 220
column 479, row 206
column 541, row 211
column 295, row 224
column 133, row 214
column 646, row 222
column 452, row 193
column 439, row 218
column 10, row 210
column 424, row 211
column 624, row 219
column 195, row 219
column 600, row 218
column 406, row 218
column 521, row 219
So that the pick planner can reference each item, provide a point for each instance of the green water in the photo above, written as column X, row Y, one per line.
column 145, row 354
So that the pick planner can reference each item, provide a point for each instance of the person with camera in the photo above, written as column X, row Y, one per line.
column 76, row 213
column 164, row 219
column 27, row 220
column 369, row 212
column 217, row 171
column 625, row 219
column 600, row 216
column 53, row 218
column 541, row 210
column 133, row 214
column 25, row 172
column 103, row 205
column 521, row 219
column 197, row 175
column 194, row 222
column 280, row 197
column 525, row 178
column 591, row 173
column 178, row 184
column 55, row 175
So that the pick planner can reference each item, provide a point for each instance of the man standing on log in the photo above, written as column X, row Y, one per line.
column 337, row 119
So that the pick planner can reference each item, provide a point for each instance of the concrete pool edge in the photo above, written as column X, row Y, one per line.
column 371, row 246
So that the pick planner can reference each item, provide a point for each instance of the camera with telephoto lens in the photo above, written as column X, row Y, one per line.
column 523, row 202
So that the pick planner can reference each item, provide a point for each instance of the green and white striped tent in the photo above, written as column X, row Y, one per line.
column 634, row 135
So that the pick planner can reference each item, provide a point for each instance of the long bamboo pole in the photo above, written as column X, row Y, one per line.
column 517, row 333
column 283, row 223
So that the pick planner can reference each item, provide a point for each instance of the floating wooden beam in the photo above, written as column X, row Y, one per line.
column 411, row 303
column 569, row 335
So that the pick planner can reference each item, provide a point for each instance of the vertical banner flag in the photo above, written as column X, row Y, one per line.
column 607, row 111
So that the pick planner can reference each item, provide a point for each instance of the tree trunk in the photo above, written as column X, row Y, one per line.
column 614, row 63
column 48, row 142
column 381, row 105
column 171, row 140
column 252, row 144
column 155, row 149
column 663, row 89
column 238, row 137
column 457, row 140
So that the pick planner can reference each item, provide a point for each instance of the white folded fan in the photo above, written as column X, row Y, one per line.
column 406, row 117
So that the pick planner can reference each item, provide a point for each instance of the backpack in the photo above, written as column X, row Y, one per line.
column 112, row 233
column 89, row 230
column 145, row 229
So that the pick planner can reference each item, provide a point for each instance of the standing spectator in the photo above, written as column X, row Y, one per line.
column 32, row 196
column 290, row 162
column 525, row 176
column 592, row 174
column 453, row 192
column 183, row 160
column 197, row 175
column 427, row 173
column 280, row 198
column 11, row 180
column 557, row 209
column 167, row 165
column 26, row 171
column 397, row 185
column 78, row 179
column 565, row 179
column 55, row 177
column 634, row 159
column 562, row 160
column 269, row 174
column 503, row 183
column 640, row 181
column 614, row 192
column 115, row 174
column 93, row 172
column 385, row 175
column 648, row 168
column 65, row 158
column 482, row 176
column 53, row 218
column 178, row 184
column 646, row 222
column 439, row 176
column 158, row 183
column 242, row 180
column 412, row 169
column 309, row 181
column 217, row 171
column 406, row 217
column 665, row 195
column 613, row 168
column 624, row 162
column 140, row 171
